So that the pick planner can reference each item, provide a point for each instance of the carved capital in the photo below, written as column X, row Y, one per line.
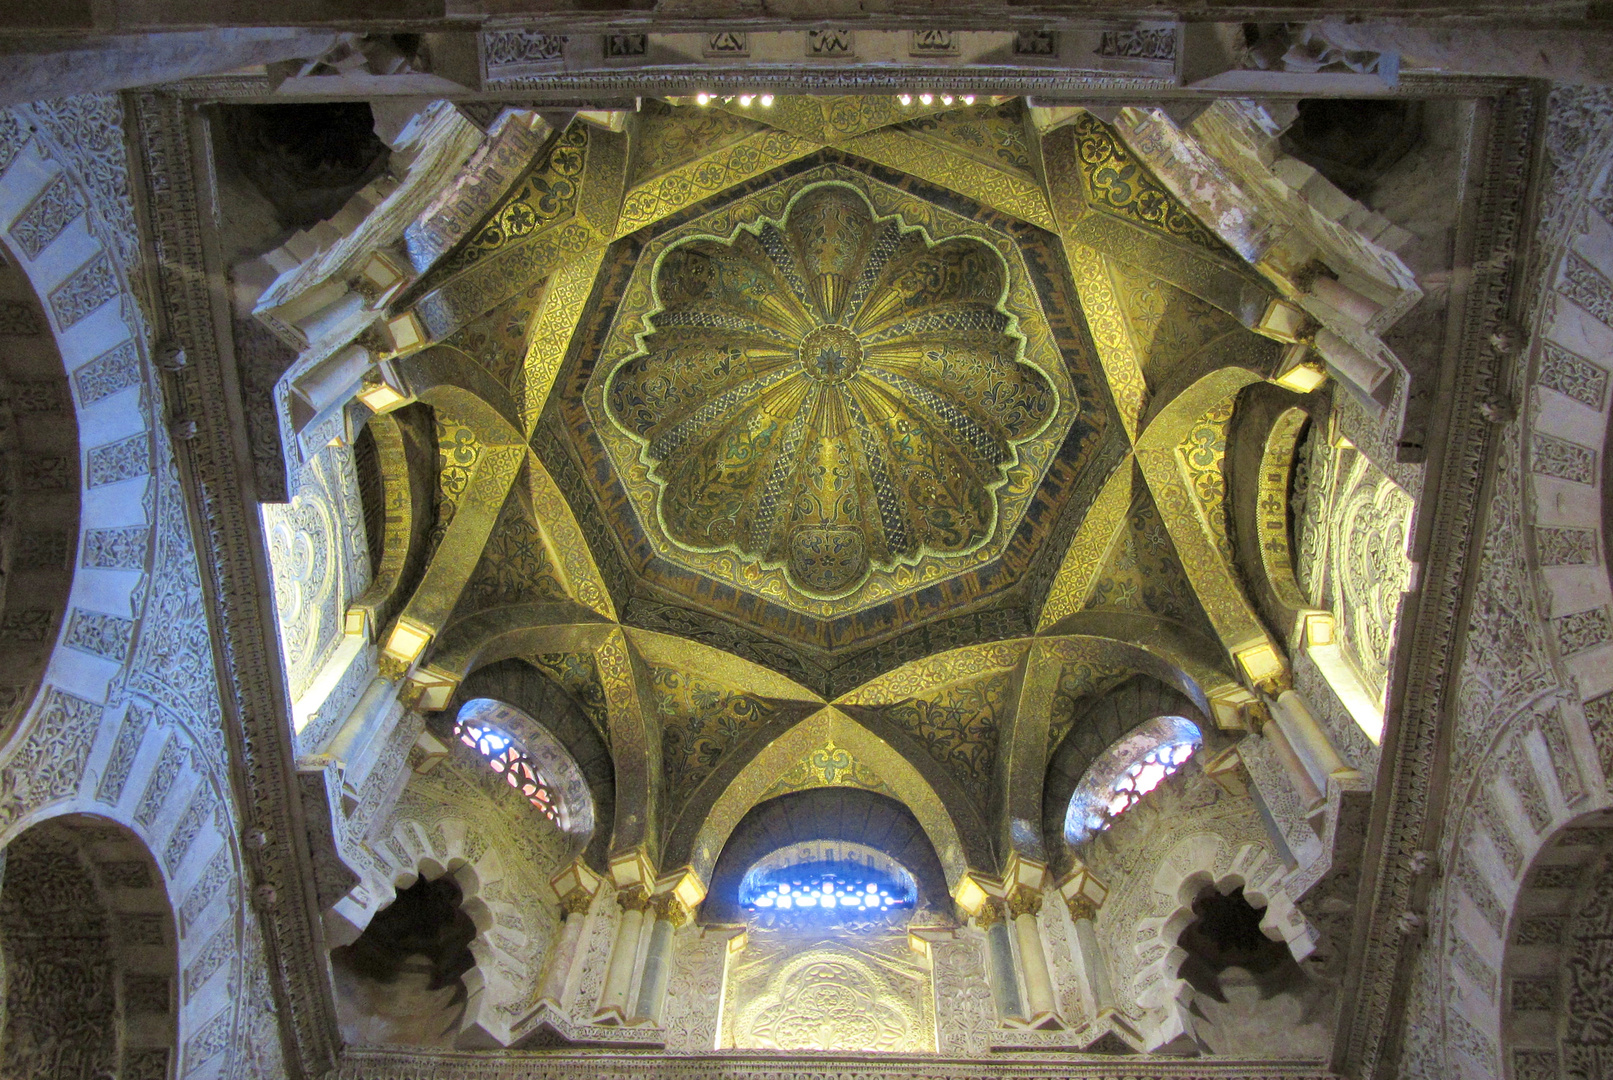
column 575, row 902
column 1024, row 901
column 669, row 907
column 633, row 898
column 1081, row 908
column 390, row 668
column 990, row 913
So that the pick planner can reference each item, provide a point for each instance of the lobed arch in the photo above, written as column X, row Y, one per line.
column 512, row 938
column 1200, row 860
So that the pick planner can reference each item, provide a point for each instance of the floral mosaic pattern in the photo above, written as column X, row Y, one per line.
column 830, row 393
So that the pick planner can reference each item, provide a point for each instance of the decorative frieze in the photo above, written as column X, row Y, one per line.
column 219, row 870
column 1565, row 460
column 99, row 634
column 1155, row 44
column 1588, row 287
column 115, row 549
column 728, row 43
column 833, row 44
column 1564, row 546
column 219, row 948
column 92, row 285
column 124, row 750
column 623, row 46
column 118, row 461
column 1571, row 374
column 1036, row 43
column 50, row 762
column 116, row 369
column 43, row 220
column 160, row 783
column 179, row 842
column 211, row 1040
column 1582, row 630
column 933, row 43
column 511, row 48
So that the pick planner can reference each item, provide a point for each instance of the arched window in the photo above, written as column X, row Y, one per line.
column 1128, row 770
column 509, row 759
column 823, row 876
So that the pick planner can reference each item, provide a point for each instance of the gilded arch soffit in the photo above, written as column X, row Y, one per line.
column 831, row 749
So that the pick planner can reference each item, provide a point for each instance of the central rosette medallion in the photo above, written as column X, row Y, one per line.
column 829, row 392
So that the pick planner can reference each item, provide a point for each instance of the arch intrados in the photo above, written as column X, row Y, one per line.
column 911, row 788
column 547, row 753
column 38, row 422
column 755, row 837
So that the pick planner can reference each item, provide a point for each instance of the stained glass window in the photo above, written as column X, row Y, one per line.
column 827, row 876
column 509, row 759
column 1127, row 771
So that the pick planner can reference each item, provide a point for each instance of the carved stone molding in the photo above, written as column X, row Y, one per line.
column 216, row 469
column 1422, row 691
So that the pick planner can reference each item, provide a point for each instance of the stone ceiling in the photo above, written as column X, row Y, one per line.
column 834, row 385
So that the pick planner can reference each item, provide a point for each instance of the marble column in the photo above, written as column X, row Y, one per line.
column 1089, row 956
column 1308, row 741
column 1024, row 904
column 613, row 1000
column 1004, row 981
column 557, row 969
column 669, row 914
column 1298, row 775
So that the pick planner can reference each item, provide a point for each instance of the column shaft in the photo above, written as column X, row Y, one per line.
column 1314, row 749
column 657, row 966
column 1093, row 969
column 1033, row 962
column 1004, row 982
column 623, row 962
column 557, row 970
column 1304, row 786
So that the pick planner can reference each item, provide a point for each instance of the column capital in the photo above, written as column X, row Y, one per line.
column 989, row 914
column 670, row 907
column 1024, row 900
column 576, row 885
column 633, row 898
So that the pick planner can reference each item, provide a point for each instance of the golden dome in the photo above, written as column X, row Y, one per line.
column 830, row 393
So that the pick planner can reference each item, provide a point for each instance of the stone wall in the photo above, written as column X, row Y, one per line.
column 128, row 724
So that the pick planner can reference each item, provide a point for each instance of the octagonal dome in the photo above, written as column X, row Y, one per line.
column 831, row 393
column 833, row 403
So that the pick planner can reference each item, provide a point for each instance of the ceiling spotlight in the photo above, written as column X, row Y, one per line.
column 767, row 101
column 745, row 100
column 905, row 99
column 702, row 98
column 946, row 99
column 925, row 99
column 968, row 99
